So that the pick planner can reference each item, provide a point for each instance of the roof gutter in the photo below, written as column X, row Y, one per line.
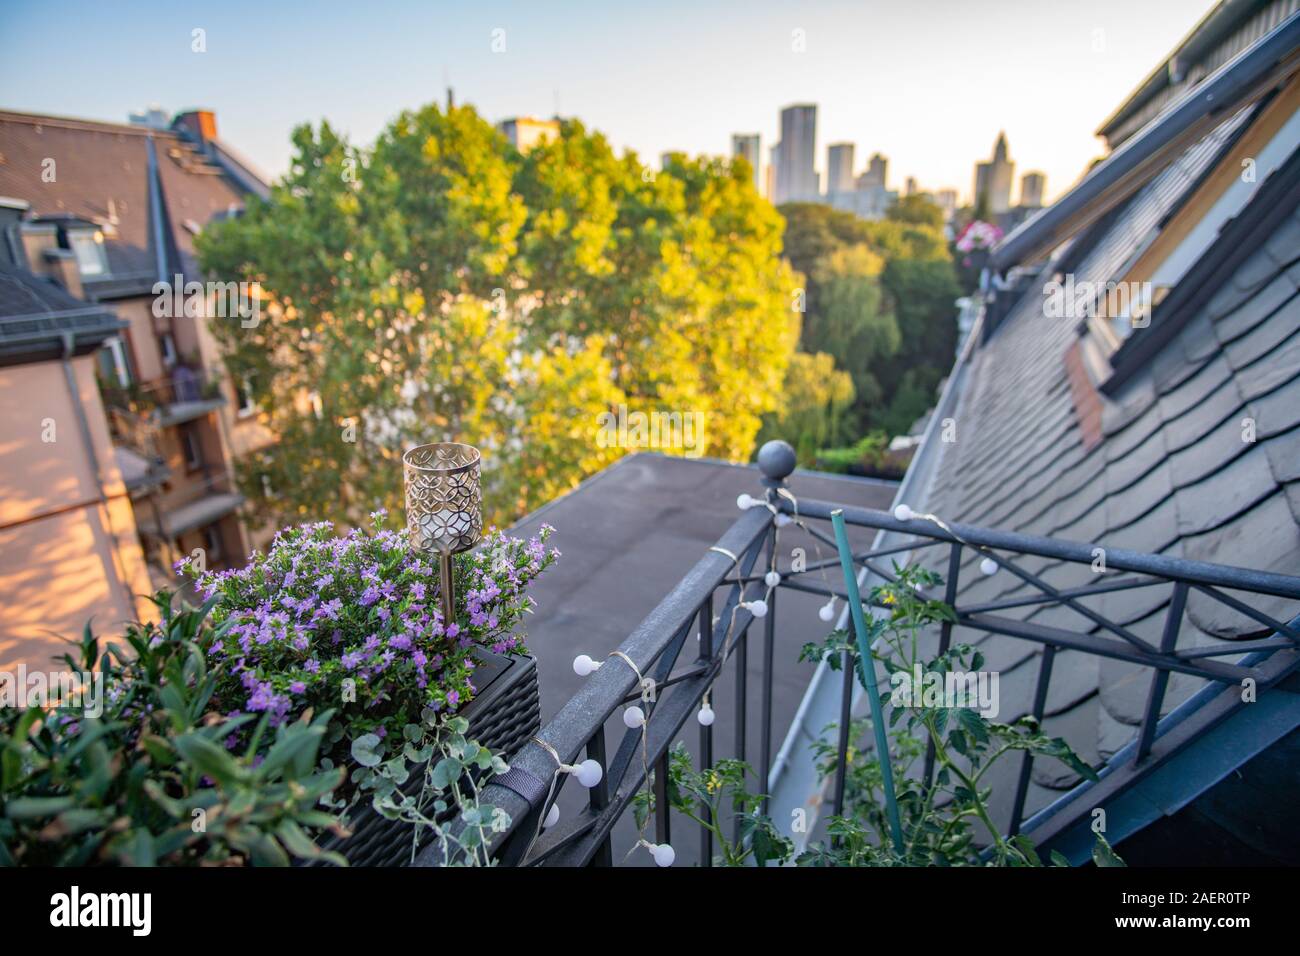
column 1244, row 79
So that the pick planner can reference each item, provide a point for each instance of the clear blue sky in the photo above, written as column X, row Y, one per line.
column 927, row 82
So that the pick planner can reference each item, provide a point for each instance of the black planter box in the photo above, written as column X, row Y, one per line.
column 504, row 713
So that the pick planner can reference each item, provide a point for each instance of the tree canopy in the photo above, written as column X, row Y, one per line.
column 440, row 285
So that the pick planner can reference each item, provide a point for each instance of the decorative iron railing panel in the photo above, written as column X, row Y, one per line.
column 698, row 606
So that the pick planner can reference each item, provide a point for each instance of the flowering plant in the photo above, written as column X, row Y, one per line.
column 978, row 235
column 354, row 624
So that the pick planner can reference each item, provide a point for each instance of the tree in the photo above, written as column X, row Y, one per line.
column 813, row 413
column 442, row 286
column 854, row 322
column 880, row 302
column 917, row 209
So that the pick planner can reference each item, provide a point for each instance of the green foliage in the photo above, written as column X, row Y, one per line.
column 442, row 285
column 691, row 791
column 943, row 822
column 148, row 781
column 454, row 770
column 815, row 412
column 868, row 455
column 880, row 301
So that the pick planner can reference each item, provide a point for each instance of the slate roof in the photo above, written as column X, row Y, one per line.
column 35, row 314
column 102, row 174
column 1168, row 471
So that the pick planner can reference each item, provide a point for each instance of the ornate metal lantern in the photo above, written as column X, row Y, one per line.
column 444, row 506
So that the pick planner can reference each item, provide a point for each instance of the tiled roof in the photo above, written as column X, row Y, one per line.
column 101, row 173
column 1169, row 472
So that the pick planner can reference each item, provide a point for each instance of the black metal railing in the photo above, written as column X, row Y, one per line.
column 706, row 602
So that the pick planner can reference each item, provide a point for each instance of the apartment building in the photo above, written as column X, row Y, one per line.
column 109, row 212
column 69, row 546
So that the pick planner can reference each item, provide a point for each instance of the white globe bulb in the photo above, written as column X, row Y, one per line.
column 757, row 608
column 633, row 717
column 664, row 854
column 988, row 566
column 744, row 501
column 772, row 578
column 589, row 773
column 827, row 610
column 706, row 716
column 903, row 513
column 583, row 665
column 552, row 817
column 783, row 519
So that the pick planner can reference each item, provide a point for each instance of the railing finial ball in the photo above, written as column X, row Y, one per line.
column 776, row 459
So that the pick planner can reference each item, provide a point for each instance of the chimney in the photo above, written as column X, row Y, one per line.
column 201, row 124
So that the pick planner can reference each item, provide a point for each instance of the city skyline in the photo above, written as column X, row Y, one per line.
column 922, row 102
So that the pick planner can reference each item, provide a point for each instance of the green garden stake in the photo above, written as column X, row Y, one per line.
column 869, row 675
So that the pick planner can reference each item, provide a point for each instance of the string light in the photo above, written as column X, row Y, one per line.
column 552, row 817
column 633, row 717
column 663, row 854
column 903, row 513
column 584, row 665
column 827, row 611
column 772, row 578
column 706, row 716
column 988, row 567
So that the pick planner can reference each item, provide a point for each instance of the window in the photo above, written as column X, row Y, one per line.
column 244, row 404
column 212, row 543
column 88, row 247
column 1166, row 262
column 191, row 449
column 167, row 345
column 113, row 365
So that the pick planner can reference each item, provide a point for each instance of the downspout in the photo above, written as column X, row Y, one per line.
column 69, row 347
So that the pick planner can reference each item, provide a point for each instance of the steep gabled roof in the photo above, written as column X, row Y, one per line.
column 102, row 172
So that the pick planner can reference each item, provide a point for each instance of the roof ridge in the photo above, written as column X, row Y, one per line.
column 73, row 122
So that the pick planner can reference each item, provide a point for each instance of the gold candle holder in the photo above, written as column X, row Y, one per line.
column 444, row 507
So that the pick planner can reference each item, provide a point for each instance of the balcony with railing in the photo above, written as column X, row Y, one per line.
column 183, row 396
column 727, row 607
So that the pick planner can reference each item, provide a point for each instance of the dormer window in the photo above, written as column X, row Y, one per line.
column 87, row 246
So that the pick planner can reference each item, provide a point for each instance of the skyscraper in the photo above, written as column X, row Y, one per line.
column 839, row 168
column 993, row 178
column 747, row 145
column 1032, row 187
column 796, row 177
column 876, row 173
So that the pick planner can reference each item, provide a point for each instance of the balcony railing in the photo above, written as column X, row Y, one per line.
column 706, row 602
column 165, row 399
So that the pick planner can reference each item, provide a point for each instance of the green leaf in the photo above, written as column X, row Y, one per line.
column 366, row 750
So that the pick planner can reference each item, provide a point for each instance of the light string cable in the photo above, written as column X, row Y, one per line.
column 589, row 774
column 635, row 717
column 827, row 611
